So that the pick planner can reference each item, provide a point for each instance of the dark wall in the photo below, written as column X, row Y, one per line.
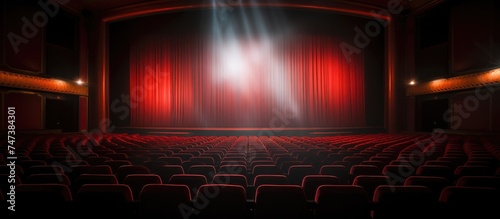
column 475, row 36
column 39, row 38
column 278, row 21
column 456, row 38
column 28, row 110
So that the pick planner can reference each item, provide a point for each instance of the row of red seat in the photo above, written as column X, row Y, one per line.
column 271, row 201
column 367, row 161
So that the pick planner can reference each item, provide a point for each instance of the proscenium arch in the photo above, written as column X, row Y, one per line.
column 151, row 8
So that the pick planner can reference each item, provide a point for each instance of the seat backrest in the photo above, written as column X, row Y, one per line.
column 470, row 202
column 167, row 171
column 193, row 181
column 164, row 200
column 399, row 173
column 48, row 178
column 435, row 170
column 370, row 183
column 115, row 164
column 233, row 169
column 296, row 173
column 435, row 183
column 310, row 184
column 479, row 181
column 39, row 169
column 342, row 201
column 265, row 169
column 207, row 170
column 231, row 179
column 339, row 171
column 76, row 171
column 125, row 170
column 204, row 160
column 221, row 201
column 357, row 170
column 93, row 179
column 270, row 179
column 47, row 200
column 280, row 201
column 137, row 181
column 474, row 171
column 105, row 200
column 414, row 202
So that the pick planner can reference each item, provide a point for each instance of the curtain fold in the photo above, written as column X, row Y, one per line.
column 289, row 81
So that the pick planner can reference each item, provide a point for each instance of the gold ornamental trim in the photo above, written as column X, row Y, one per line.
column 486, row 78
column 29, row 82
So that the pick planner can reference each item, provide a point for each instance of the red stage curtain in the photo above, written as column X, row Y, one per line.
column 289, row 81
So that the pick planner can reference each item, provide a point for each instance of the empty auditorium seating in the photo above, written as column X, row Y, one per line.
column 265, row 177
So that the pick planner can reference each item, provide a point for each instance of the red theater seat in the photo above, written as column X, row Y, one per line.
column 229, row 202
column 357, row 170
column 76, row 171
column 48, row 178
column 233, row 169
column 193, row 181
column 164, row 201
column 104, row 200
column 207, row 170
column 434, row 183
column 296, row 173
column 270, row 179
column 435, row 170
column 125, row 170
column 414, row 202
column 310, row 184
column 342, row 201
column 231, row 179
column 339, row 171
column 115, row 164
column 479, row 181
column 167, row 171
column 280, row 201
column 43, row 200
column 370, row 183
column 470, row 202
column 137, row 181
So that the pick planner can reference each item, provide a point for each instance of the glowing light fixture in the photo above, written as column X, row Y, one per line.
column 79, row 82
column 412, row 82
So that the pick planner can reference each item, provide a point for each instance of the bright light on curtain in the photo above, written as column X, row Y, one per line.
column 286, row 81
